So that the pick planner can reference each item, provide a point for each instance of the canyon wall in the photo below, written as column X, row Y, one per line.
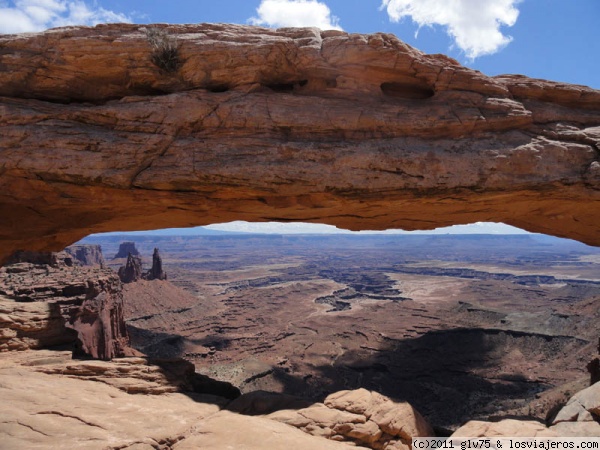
column 247, row 123
column 48, row 300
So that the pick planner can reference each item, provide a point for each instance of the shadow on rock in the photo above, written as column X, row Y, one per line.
column 450, row 376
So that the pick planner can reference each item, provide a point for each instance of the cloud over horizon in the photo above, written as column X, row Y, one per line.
column 474, row 25
column 295, row 13
column 21, row 16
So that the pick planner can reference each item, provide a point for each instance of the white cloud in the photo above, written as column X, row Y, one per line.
column 295, row 13
column 20, row 16
column 473, row 24
column 276, row 227
column 307, row 228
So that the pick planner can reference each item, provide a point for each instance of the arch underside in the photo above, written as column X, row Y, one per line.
column 361, row 132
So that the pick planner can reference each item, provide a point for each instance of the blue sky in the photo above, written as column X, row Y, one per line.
column 552, row 39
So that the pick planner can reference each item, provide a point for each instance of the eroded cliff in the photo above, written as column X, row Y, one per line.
column 358, row 131
column 47, row 300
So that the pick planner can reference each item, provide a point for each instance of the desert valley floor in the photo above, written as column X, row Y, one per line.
column 461, row 326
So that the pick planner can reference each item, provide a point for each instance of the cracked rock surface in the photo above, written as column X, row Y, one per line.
column 49, row 411
column 358, row 131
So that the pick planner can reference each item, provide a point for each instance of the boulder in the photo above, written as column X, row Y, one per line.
column 577, row 429
column 362, row 417
column 584, row 406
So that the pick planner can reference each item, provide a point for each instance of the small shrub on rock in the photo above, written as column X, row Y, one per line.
column 165, row 53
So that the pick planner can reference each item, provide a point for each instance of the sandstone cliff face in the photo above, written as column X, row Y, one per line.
column 54, row 303
column 359, row 131
column 87, row 255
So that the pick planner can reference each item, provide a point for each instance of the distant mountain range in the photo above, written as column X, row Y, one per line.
column 241, row 227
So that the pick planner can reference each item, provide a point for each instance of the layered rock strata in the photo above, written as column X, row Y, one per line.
column 126, row 249
column 86, row 255
column 358, row 131
column 51, row 301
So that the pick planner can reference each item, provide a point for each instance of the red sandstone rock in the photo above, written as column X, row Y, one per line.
column 156, row 272
column 51, row 301
column 359, row 131
column 582, row 407
column 87, row 255
column 132, row 270
column 504, row 428
column 359, row 416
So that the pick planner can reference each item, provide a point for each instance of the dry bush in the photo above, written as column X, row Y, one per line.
column 165, row 53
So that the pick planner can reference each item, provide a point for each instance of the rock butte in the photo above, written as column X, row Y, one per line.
column 357, row 131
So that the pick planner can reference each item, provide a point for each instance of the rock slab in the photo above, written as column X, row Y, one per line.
column 49, row 400
column 358, row 131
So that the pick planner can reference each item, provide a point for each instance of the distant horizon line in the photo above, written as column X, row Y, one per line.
column 302, row 228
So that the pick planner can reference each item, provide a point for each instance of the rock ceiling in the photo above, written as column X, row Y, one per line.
column 100, row 133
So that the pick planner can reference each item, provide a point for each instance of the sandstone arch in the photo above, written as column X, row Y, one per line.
column 362, row 132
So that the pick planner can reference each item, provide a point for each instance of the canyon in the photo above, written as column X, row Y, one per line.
column 307, row 371
column 461, row 327
column 358, row 131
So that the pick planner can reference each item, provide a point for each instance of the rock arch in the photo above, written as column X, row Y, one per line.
column 358, row 131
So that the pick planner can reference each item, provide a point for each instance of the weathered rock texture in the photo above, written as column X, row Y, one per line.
column 45, row 300
column 156, row 272
column 584, row 408
column 579, row 417
column 132, row 270
column 86, row 255
column 361, row 417
column 140, row 375
column 504, row 428
column 358, row 131
column 49, row 400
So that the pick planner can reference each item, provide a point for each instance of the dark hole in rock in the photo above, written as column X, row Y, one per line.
column 217, row 88
column 281, row 87
column 286, row 87
column 407, row 90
